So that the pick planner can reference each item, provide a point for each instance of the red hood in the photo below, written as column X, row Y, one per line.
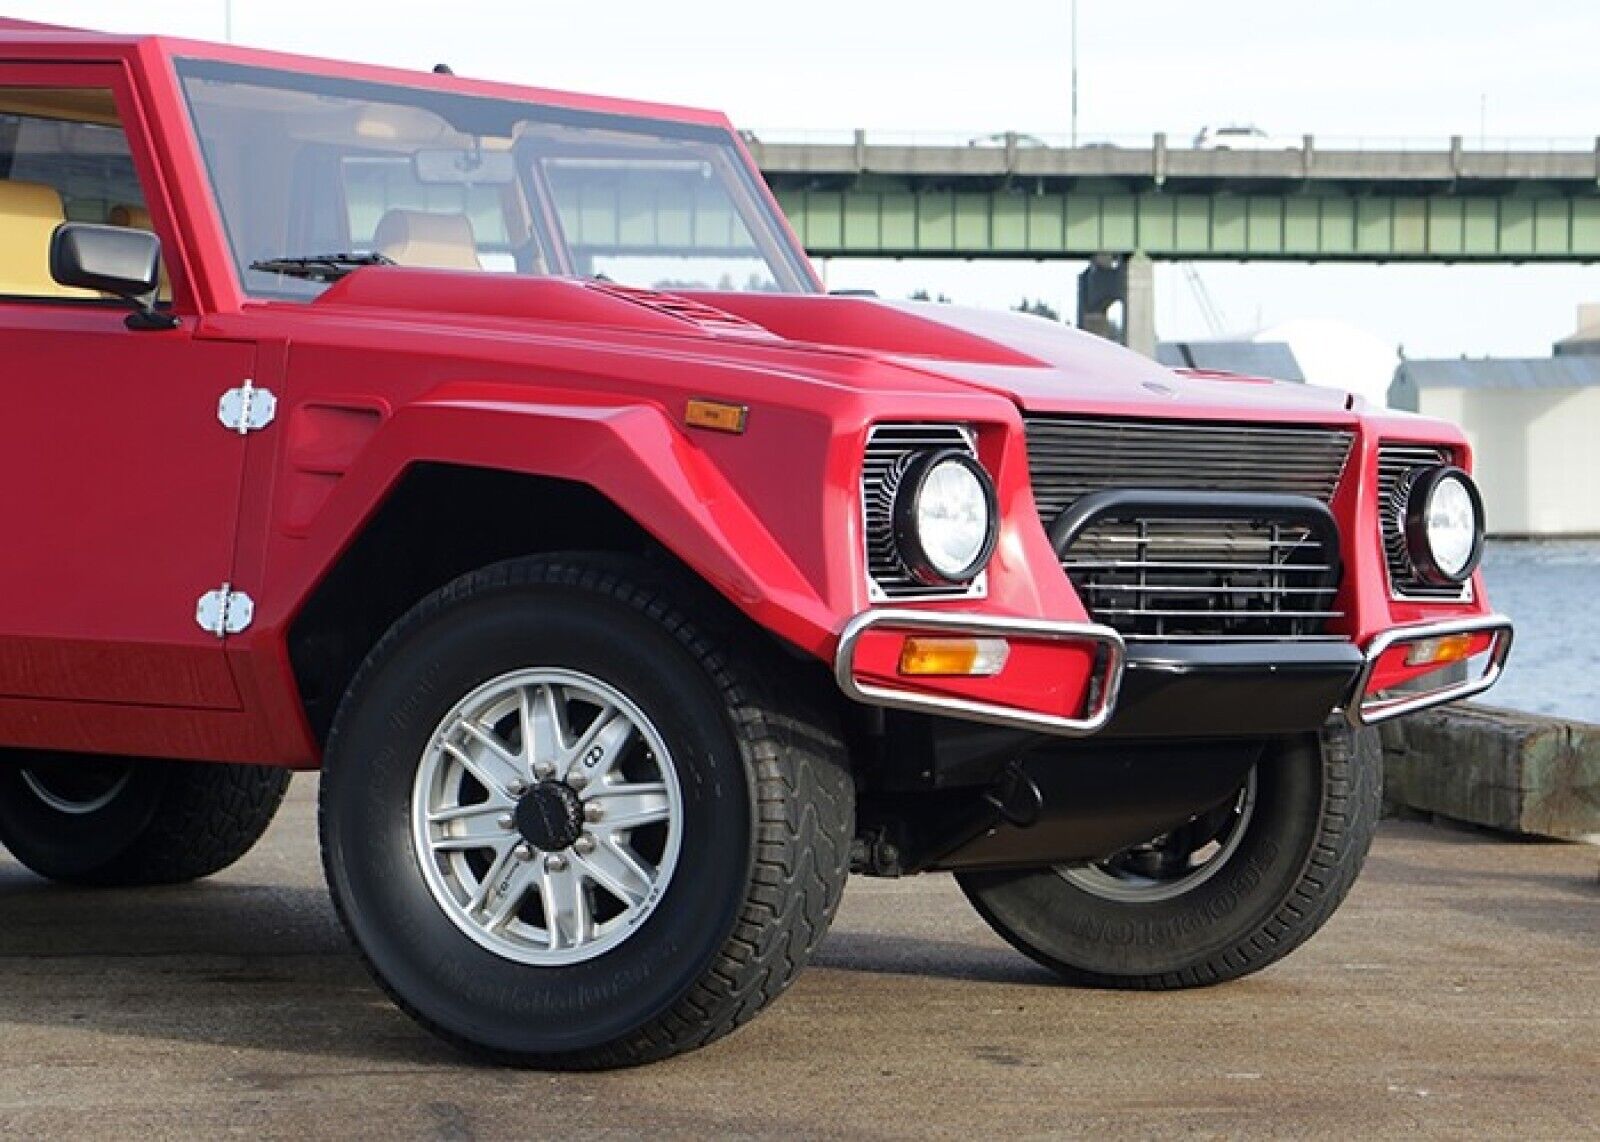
column 1041, row 365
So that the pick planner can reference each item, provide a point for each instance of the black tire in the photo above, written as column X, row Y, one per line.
column 1301, row 848
column 768, row 810
column 123, row 822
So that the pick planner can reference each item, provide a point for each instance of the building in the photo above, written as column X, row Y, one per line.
column 1534, row 424
column 1252, row 358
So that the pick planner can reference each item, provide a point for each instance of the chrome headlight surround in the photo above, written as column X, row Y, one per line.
column 948, row 489
column 1444, row 525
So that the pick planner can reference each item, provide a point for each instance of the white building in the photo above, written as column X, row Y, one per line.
column 1534, row 424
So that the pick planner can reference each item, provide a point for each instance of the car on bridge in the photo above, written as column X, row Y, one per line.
column 1241, row 137
column 498, row 453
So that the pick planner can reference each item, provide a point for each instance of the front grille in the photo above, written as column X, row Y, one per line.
column 890, row 450
column 1265, row 575
column 1399, row 465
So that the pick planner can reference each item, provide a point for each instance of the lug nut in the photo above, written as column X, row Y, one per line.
column 544, row 771
column 555, row 863
column 577, row 781
column 505, row 820
column 593, row 811
column 517, row 787
column 523, row 852
column 583, row 845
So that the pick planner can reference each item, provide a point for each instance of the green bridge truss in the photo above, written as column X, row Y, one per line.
column 1302, row 204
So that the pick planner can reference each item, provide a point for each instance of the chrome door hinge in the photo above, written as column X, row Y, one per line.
column 224, row 611
column 247, row 409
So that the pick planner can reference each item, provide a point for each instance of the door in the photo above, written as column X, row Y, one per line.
column 119, row 486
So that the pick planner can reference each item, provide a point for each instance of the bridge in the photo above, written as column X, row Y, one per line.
column 1008, row 196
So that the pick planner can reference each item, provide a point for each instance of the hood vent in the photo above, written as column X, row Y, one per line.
column 696, row 313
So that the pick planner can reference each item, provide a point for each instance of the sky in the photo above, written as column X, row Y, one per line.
column 1364, row 70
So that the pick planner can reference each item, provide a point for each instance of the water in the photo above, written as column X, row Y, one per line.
column 1551, row 590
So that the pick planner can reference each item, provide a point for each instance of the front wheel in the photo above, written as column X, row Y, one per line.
column 569, row 825
column 1225, row 895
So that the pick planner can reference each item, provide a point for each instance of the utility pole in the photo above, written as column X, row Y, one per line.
column 1074, row 73
column 227, row 20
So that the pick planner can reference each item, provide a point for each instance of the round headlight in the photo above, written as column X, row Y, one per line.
column 1444, row 525
column 944, row 517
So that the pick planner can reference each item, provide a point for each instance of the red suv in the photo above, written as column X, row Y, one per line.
column 498, row 453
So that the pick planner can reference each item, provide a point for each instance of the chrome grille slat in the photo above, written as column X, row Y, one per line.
column 1398, row 465
column 1194, row 579
column 889, row 449
column 1153, row 612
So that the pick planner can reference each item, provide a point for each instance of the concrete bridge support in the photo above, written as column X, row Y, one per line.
column 1125, row 279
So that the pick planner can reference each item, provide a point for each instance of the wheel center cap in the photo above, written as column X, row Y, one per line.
column 550, row 816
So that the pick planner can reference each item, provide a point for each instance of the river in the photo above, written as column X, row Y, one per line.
column 1551, row 590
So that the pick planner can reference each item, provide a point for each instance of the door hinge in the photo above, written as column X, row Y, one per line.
column 247, row 409
column 224, row 611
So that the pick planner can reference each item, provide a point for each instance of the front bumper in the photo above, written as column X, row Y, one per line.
column 1081, row 678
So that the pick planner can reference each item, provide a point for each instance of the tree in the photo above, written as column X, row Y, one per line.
column 1037, row 308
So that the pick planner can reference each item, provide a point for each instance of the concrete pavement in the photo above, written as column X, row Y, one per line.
column 1456, row 994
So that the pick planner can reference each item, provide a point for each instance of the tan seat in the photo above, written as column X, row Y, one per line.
column 427, row 240
column 132, row 217
column 29, row 214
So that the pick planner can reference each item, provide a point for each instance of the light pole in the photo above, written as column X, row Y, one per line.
column 227, row 20
column 1074, row 73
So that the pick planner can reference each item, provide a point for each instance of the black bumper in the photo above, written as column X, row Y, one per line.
column 1211, row 689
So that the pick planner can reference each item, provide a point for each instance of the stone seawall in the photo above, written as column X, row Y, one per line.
column 1521, row 773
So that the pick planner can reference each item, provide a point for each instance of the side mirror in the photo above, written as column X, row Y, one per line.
column 112, row 259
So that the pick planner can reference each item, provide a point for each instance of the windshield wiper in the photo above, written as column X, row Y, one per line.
column 321, row 267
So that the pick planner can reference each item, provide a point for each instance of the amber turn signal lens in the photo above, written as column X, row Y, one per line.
column 1440, row 651
column 968, row 657
column 716, row 415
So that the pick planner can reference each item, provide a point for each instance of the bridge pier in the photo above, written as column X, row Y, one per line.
column 1125, row 279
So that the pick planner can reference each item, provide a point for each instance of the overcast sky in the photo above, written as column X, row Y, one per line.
column 1355, row 69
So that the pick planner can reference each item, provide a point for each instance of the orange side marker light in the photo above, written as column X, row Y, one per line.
column 718, row 416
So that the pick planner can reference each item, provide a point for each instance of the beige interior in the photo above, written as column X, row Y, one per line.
column 29, row 214
column 426, row 239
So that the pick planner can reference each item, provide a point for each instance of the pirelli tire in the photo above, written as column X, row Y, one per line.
column 111, row 821
column 574, row 897
column 1305, row 822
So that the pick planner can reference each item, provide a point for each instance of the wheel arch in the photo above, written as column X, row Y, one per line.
column 427, row 502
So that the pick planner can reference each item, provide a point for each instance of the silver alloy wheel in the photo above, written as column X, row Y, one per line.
column 78, row 794
column 1118, row 880
column 547, row 816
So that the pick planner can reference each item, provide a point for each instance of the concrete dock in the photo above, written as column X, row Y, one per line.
column 1457, row 994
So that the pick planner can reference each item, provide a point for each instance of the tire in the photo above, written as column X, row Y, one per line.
column 1276, row 875
column 124, row 822
column 736, row 905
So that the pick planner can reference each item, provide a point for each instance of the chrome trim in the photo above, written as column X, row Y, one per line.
column 1412, row 457
column 1361, row 713
column 939, row 434
column 1116, row 659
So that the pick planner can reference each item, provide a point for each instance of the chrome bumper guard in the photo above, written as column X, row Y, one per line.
column 1371, row 713
column 1110, row 680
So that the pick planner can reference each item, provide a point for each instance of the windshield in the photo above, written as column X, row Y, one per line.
column 308, row 167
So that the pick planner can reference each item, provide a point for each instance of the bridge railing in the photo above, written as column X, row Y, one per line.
column 979, row 138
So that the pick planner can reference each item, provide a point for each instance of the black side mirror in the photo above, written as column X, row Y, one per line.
column 112, row 259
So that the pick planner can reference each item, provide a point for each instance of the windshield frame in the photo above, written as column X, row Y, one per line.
column 749, row 195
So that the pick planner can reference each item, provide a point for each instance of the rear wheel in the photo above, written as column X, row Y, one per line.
column 129, row 821
column 568, row 825
column 1225, row 895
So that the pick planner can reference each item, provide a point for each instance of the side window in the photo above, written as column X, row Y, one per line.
column 63, row 158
